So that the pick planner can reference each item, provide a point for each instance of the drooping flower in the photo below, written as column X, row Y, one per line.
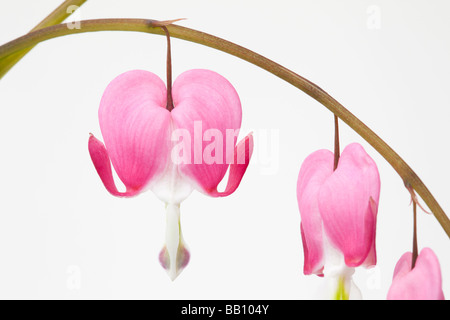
column 171, row 152
column 423, row 282
column 338, row 210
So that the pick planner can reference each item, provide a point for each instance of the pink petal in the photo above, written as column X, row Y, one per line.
column 424, row 282
column 403, row 265
column 183, row 257
column 136, row 127
column 102, row 164
column 371, row 259
column 314, row 171
column 242, row 154
column 208, row 108
column 346, row 208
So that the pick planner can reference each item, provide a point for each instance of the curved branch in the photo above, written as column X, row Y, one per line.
column 151, row 26
column 57, row 16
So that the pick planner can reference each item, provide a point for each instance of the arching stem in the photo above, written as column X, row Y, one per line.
column 57, row 16
column 314, row 91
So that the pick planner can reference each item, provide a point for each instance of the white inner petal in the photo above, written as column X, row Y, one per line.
column 174, row 240
column 171, row 187
column 335, row 271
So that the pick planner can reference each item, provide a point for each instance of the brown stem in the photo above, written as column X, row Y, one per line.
column 337, row 152
column 169, row 105
column 415, row 251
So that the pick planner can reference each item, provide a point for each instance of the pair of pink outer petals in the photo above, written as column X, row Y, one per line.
column 424, row 282
column 340, row 205
column 137, row 130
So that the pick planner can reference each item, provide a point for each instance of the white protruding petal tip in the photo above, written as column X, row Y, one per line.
column 174, row 256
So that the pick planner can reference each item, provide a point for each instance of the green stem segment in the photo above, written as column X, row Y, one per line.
column 56, row 17
column 150, row 26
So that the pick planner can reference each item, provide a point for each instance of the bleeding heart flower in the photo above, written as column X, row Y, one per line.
column 338, row 214
column 142, row 142
column 423, row 282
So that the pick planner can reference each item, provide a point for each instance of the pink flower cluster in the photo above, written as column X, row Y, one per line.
column 338, row 206
column 338, row 211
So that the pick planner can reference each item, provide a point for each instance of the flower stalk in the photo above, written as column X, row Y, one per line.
column 169, row 105
column 337, row 151
column 151, row 26
column 415, row 251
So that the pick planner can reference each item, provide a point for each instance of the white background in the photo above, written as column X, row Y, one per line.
column 62, row 236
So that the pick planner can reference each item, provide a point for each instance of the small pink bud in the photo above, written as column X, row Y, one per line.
column 424, row 282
